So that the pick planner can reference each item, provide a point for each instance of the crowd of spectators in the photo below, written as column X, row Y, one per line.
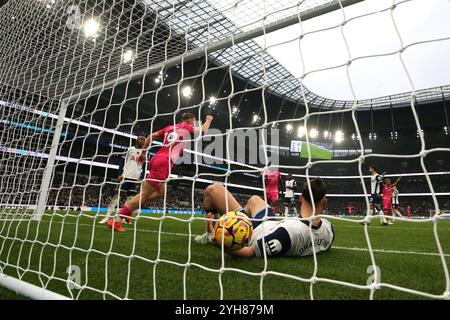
column 405, row 185
column 83, row 191
column 418, row 207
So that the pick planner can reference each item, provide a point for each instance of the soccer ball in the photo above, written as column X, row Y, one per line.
column 235, row 228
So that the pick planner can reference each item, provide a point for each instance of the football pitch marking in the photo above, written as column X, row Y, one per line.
column 390, row 251
column 395, row 228
column 334, row 247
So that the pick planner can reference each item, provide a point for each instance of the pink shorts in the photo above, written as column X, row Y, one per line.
column 271, row 196
column 159, row 168
column 387, row 205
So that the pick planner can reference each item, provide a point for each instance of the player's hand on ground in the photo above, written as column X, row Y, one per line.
column 227, row 250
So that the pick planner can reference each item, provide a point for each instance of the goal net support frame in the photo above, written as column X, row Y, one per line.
column 29, row 290
column 35, row 292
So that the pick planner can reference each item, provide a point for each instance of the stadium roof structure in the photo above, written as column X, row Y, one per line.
column 201, row 22
column 59, row 62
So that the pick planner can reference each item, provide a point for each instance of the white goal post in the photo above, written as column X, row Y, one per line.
column 83, row 76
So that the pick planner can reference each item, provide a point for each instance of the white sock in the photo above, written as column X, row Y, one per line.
column 294, row 211
column 112, row 205
column 380, row 213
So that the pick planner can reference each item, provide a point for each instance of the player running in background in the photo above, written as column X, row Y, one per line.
column 376, row 189
column 287, row 237
column 130, row 175
column 350, row 210
column 289, row 196
column 387, row 198
column 272, row 179
column 408, row 212
column 161, row 163
column 395, row 202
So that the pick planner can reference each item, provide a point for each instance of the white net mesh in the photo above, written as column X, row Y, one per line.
column 80, row 80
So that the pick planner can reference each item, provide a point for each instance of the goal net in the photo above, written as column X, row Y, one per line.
column 81, row 80
column 444, row 213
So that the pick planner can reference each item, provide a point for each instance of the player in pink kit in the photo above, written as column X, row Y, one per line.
column 350, row 210
column 160, row 164
column 387, row 198
column 272, row 178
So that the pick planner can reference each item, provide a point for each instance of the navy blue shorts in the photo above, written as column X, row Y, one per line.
column 130, row 187
column 289, row 201
column 374, row 199
column 260, row 215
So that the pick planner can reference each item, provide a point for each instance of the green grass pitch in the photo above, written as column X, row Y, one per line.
column 405, row 252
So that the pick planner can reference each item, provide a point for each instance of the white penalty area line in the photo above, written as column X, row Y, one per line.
column 390, row 251
column 395, row 228
column 333, row 247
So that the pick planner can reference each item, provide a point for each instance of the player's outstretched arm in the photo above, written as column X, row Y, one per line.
column 154, row 136
column 246, row 252
column 205, row 126
column 148, row 141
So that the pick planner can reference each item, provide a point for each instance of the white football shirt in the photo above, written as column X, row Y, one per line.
column 394, row 198
column 375, row 184
column 132, row 169
column 290, row 186
column 291, row 237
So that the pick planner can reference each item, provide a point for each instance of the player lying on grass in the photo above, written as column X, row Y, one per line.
column 160, row 164
column 129, row 178
column 287, row 237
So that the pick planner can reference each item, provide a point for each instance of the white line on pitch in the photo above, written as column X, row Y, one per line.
column 391, row 251
column 333, row 247
column 396, row 228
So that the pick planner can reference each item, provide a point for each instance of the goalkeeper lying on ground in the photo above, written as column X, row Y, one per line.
column 287, row 237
